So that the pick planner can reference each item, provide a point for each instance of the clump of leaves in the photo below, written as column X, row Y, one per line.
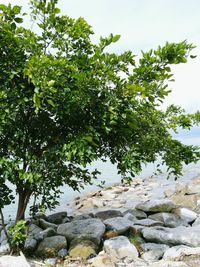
column 17, row 235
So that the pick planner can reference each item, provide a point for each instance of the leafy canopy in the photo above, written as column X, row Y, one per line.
column 65, row 102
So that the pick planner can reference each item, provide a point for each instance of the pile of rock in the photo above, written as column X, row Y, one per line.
column 154, row 233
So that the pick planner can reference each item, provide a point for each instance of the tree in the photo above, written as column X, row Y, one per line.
column 65, row 102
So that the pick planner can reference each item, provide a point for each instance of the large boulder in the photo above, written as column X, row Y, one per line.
column 119, row 248
column 173, row 236
column 168, row 219
column 44, row 224
column 4, row 248
column 90, row 229
column 156, row 205
column 107, row 214
column 50, row 246
column 57, row 218
column 118, row 224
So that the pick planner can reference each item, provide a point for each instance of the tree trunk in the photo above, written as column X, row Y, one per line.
column 23, row 200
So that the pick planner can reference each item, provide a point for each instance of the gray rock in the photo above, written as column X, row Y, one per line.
column 148, row 222
column 130, row 217
column 186, row 215
column 46, row 233
column 119, row 224
column 57, row 218
column 120, row 248
column 90, row 229
column 30, row 245
column 50, row 246
column 4, row 249
column 156, row 205
column 81, row 217
column 62, row 253
column 173, row 236
column 40, row 215
column 2, row 236
column 33, row 230
column 44, row 224
column 107, row 214
column 136, row 213
column 153, row 251
column 169, row 219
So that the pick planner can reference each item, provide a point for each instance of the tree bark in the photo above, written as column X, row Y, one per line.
column 23, row 200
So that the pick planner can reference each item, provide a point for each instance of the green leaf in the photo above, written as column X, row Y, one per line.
column 50, row 102
column 18, row 20
column 116, row 38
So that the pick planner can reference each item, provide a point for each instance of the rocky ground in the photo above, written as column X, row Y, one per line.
column 153, row 222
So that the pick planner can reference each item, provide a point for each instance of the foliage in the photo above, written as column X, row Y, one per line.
column 65, row 102
column 17, row 235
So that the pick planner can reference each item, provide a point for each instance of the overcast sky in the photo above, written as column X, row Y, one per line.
column 145, row 24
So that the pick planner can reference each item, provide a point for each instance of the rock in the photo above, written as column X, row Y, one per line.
column 156, row 205
column 4, row 249
column 10, row 261
column 82, row 248
column 169, row 219
column 81, row 217
column 62, row 253
column 196, row 222
column 98, row 203
column 181, row 188
column 44, row 224
column 57, row 218
column 90, row 229
column 107, row 214
column 181, row 253
column 136, row 213
column 102, row 260
column 136, row 229
column 193, row 189
column 40, row 215
column 118, row 224
column 119, row 248
column 30, row 245
column 2, row 236
column 50, row 262
column 34, row 230
column 130, row 217
column 164, row 263
column 153, row 251
column 186, row 215
column 168, row 193
column 189, row 201
column 173, row 236
column 50, row 246
column 46, row 233
column 148, row 222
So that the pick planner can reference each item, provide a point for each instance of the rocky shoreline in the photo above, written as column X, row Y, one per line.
column 152, row 222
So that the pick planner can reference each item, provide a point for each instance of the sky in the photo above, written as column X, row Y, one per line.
column 145, row 24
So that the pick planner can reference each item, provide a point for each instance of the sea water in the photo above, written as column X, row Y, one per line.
column 110, row 176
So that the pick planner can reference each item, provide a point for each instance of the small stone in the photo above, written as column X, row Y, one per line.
column 62, row 253
column 168, row 219
column 50, row 262
column 136, row 213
